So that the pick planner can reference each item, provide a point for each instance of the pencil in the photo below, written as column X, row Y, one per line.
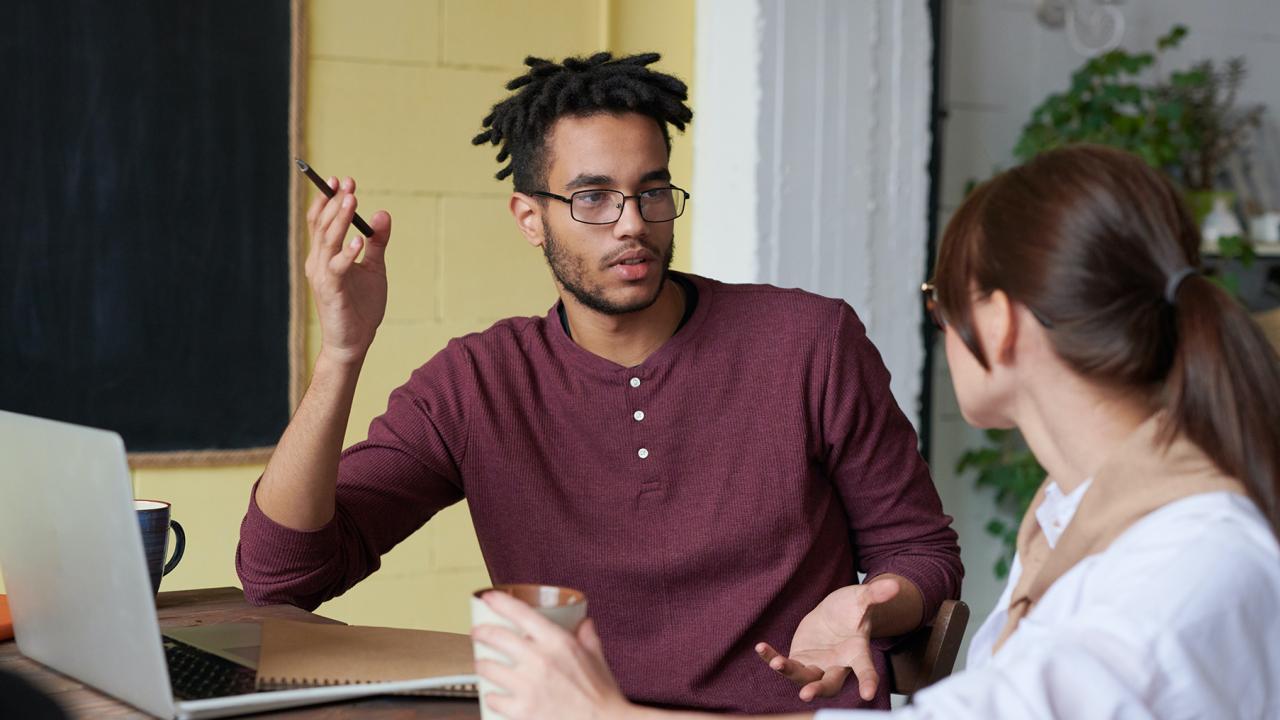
column 358, row 221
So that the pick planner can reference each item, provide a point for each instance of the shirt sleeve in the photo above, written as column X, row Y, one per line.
column 389, row 485
column 871, row 455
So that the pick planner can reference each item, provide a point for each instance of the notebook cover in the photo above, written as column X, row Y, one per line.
column 6, row 622
column 299, row 654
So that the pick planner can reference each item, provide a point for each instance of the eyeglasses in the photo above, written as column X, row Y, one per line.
column 604, row 207
column 934, row 311
column 931, row 306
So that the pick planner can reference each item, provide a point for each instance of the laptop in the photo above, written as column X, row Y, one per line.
column 74, row 570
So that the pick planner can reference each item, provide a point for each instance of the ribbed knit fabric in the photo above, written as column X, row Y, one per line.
column 770, row 464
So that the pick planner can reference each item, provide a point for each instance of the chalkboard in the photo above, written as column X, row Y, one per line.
column 147, row 280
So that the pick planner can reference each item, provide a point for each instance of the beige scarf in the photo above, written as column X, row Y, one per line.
column 1142, row 475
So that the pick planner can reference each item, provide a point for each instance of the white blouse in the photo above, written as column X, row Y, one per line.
column 1178, row 618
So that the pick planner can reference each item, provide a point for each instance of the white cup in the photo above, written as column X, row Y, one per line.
column 565, row 607
column 1265, row 227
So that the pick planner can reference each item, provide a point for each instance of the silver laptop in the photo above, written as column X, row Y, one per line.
column 74, row 570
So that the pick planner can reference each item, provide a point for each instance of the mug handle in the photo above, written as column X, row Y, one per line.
column 177, row 548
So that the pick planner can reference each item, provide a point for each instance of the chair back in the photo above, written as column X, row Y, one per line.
column 928, row 654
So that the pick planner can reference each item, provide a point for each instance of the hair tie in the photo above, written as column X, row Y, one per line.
column 1175, row 282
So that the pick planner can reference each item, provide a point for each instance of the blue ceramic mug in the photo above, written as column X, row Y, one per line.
column 153, row 517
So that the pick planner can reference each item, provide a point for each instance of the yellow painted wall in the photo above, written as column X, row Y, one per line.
column 395, row 89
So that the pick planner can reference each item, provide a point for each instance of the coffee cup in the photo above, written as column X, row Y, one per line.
column 154, row 520
column 563, row 606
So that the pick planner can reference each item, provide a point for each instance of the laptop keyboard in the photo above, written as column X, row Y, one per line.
column 196, row 674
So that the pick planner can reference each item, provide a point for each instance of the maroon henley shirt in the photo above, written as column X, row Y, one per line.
column 705, row 500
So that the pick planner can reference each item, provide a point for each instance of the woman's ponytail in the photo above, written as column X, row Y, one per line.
column 1223, row 390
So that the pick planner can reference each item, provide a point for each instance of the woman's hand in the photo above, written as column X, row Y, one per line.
column 554, row 674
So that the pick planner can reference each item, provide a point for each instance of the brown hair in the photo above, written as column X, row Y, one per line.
column 1089, row 238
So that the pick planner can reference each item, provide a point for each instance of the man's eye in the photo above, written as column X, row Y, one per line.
column 656, row 194
column 591, row 198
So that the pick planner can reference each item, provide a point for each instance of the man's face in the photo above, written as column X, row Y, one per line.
column 617, row 268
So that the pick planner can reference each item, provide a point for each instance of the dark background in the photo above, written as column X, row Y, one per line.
column 937, row 116
column 144, row 275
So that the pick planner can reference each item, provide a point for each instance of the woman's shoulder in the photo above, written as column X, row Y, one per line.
column 1194, row 558
column 1203, row 526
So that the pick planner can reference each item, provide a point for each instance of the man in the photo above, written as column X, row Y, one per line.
column 707, row 462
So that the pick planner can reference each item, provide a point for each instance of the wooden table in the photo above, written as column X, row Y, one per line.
column 221, row 605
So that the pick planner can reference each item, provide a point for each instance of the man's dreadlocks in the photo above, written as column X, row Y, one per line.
column 577, row 87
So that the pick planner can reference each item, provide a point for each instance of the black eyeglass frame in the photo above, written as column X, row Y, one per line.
column 931, row 307
column 621, row 208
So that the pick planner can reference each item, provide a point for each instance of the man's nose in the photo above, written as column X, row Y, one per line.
column 630, row 223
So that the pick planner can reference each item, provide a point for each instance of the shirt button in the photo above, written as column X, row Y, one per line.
column 638, row 415
column 635, row 382
column 643, row 453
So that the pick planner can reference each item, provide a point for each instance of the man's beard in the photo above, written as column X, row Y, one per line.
column 571, row 272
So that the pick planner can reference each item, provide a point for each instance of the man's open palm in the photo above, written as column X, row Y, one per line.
column 833, row 640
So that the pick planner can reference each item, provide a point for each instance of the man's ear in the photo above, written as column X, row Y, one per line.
column 528, row 214
column 1003, row 319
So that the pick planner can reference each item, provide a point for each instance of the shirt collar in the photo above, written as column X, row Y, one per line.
column 1055, row 513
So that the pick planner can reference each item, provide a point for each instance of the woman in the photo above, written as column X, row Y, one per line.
column 1147, row 579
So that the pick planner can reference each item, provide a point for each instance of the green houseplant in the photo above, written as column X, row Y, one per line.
column 1008, row 467
column 1207, row 95
column 1110, row 103
column 1183, row 124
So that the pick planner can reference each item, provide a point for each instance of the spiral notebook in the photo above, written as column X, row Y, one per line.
column 300, row 654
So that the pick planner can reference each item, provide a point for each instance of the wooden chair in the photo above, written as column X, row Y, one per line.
column 929, row 654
